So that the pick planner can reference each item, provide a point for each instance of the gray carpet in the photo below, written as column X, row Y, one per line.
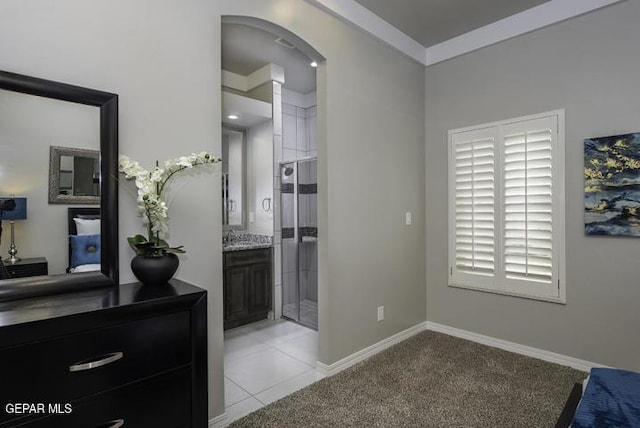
column 429, row 380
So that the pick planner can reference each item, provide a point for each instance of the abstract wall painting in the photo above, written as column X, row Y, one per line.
column 612, row 185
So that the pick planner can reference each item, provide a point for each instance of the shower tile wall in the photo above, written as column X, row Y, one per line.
column 294, row 138
column 298, row 132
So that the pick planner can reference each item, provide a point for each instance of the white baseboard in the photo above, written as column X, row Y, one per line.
column 529, row 351
column 346, row 362
column 219, row 421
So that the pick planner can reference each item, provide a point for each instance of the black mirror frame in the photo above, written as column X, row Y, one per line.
column 20, row 288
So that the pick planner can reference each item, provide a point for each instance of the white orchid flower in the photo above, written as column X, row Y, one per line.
column 157, row 175
column 184, row 161
column 150, row 185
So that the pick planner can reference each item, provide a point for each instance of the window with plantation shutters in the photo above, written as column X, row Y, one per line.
column 506, row 207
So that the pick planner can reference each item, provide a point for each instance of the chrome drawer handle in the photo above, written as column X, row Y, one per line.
column 110, row 358
column 113, row 424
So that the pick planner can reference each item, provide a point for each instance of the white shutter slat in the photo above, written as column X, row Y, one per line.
column 527, row 201
column 519, row 217
column 533, row 199
column 479, row 240
column 463, row 215
column 474, row 196
column 531, row 234
column 532, row 208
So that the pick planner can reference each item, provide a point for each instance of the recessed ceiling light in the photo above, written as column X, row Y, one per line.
column 233, row 116
column 314, row 64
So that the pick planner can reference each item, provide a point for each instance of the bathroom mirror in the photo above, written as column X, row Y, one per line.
column 233, row 177
column 95, row 122
column 74, row 176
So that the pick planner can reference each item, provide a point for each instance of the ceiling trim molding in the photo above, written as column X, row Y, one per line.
column 524, row 22
column 521, row 23
column 358, row 15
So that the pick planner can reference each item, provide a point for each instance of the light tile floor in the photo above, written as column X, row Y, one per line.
column 266, row 361
column 308, row 312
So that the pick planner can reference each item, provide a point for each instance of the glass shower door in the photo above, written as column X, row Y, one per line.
column 299, row 242
column 307, row 243
column 289, row 220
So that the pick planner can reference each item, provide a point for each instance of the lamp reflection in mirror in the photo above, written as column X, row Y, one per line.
column 14, row 209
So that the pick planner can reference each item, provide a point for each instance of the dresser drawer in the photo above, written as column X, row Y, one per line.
column 66, row 368
column 163, row 401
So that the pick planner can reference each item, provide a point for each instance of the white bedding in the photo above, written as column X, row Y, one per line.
column 85, row 268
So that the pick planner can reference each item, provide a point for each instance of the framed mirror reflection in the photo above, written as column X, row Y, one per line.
column 74, row 176
column 58, row 146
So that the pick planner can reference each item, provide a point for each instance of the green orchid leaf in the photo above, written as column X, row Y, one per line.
column 135, row 242
column 154, row 247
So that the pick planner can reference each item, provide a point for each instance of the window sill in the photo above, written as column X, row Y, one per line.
column 557, row 300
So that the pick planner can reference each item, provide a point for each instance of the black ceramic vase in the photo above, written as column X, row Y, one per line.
column 155, row 270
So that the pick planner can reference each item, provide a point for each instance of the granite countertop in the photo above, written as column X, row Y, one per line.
column 247, row 241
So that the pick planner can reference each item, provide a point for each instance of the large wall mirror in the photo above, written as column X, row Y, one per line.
column 76, row 130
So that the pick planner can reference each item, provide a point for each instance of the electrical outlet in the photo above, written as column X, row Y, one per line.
column 380, row 313
column 252, row 217
column 407, row 218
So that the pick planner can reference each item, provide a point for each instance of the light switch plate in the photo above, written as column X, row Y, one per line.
column 252, row 216
column 380, row 313
column 407, row 218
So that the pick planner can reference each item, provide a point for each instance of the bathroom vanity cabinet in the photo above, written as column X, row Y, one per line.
column 129, row 355
column 247, row 286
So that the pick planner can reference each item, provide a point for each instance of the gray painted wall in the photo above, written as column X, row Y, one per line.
column 165, row 66
column 588, row 66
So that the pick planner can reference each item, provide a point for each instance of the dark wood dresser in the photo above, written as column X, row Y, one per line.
column 127, row 356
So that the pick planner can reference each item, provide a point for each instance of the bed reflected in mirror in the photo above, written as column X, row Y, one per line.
column 84, row 239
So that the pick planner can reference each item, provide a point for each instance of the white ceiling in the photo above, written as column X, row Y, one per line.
column 250, row 112
column 430, row 22
column 246, row 49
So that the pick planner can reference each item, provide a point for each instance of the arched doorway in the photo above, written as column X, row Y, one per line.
column 265, row 64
